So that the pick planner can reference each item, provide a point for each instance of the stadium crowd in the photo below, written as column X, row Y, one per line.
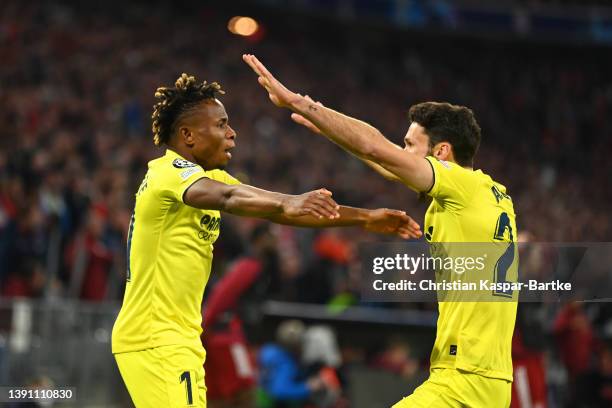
column 76, row 91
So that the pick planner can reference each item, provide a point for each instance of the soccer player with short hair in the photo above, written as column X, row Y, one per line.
column 471, row 363
column 176, row 220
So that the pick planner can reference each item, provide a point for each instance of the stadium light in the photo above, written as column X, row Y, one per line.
column 244, row 26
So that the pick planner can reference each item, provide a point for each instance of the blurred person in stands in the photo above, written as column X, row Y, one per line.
column 89, row 258
column 230, row 372
column 176, row 220
column 473, row 346
column 397, row 358
column 529, row 389
column 594, row 389
column 321, row 357
column 576, row 344
column 283, row 380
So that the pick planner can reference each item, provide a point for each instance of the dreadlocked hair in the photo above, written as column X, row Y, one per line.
column 174, row 102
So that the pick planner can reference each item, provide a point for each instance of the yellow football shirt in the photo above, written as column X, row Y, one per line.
column 169, row 257
column 468, row 206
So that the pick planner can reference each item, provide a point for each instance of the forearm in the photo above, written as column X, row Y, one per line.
column 251, row 201
column 349, row 216
column 353, row 135
column 368, row 144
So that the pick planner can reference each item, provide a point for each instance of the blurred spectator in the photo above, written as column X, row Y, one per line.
column 230, row 372
column 283, row 381
column 321, row 357
column 575, row 339
column 595, row 388
column 89, row 258
column 397, row 358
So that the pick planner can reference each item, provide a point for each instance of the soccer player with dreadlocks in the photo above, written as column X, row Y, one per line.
column 156, row 338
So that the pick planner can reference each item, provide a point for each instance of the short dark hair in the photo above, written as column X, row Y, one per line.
column 444, row 122
column 174, row 102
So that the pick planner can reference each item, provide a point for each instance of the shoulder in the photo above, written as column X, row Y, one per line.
column 222, row 176
column 174, row 172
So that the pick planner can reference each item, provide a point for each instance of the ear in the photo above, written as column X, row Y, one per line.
column 443, row 151
column 187, row 136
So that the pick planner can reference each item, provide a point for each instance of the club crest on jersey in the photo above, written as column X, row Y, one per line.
column 182, row 163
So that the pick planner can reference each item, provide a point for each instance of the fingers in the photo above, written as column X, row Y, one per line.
column 401, row 215
column 320, row 204
column 309, row 99
column 261, row 67
column 407, row 228
column 249, row 60
column 256, row 65
column 300, row 120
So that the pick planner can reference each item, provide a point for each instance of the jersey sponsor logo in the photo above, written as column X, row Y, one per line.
column 182, row 163
column 453, row 350
column 209, row 226
column 187, row 173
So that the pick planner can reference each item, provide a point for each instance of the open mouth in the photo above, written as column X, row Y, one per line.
column 228, row 152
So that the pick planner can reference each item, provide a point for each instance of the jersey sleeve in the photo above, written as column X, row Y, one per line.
column 453, row 185
column 175, row 181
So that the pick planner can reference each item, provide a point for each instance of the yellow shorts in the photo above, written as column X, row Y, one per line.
column 450, row 388
column 168, row 376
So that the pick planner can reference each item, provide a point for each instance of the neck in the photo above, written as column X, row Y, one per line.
column 183, row 151
column 452, row 160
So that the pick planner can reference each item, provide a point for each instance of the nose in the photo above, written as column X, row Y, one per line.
column 231, row 133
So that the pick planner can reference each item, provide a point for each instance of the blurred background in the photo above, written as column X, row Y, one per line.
column 76, row 94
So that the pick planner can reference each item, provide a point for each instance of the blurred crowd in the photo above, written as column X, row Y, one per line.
column 76, row 92
column 76, row 96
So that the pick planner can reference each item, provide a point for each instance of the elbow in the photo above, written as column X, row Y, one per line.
column 228, row 201
column 374, row 153
column 373, row 149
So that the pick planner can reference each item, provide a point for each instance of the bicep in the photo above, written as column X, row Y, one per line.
column 381, row 170
column 206, row 194
column 412, row 170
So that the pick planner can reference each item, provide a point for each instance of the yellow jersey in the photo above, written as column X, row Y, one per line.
column 468, row 206
column 169, row 258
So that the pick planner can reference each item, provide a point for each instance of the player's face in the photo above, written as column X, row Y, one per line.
column 416, row 141
column 212, row 138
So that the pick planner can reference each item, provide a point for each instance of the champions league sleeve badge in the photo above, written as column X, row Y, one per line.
column 182, row 163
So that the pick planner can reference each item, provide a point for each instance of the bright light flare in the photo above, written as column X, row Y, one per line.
column 244, row 26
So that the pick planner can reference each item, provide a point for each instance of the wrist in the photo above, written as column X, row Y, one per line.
column 367, row 215
column 284, row 202
column 300, row 104
column 363, row 216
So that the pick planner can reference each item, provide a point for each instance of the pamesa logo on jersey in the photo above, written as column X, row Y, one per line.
column 210, row 226
column 182, row 163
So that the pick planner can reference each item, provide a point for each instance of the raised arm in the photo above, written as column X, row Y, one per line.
column 297, row 118
column 247, row 200
column 353, row 135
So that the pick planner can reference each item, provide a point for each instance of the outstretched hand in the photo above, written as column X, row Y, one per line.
column 393, row 222
column 277, row 92
column 318, row 203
